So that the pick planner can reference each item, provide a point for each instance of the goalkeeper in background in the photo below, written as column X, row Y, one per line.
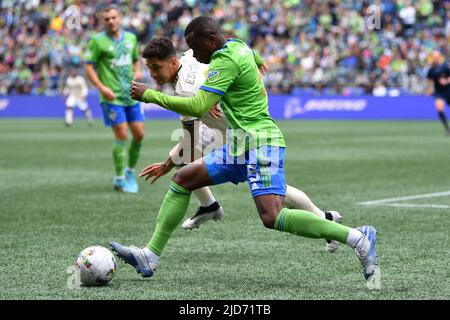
column 111, row 65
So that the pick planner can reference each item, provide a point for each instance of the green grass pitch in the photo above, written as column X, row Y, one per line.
column 56, row 198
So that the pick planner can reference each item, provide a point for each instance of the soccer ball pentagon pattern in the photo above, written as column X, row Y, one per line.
column 96, row 266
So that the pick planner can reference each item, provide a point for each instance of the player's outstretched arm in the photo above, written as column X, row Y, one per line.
column 194, row 106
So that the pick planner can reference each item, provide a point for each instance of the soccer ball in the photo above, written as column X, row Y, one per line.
column 96, row 266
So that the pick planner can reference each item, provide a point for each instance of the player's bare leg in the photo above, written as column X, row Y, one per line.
column 440, row 106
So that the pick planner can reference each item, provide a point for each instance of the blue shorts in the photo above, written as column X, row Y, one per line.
column 114, row 115
column 262, row 168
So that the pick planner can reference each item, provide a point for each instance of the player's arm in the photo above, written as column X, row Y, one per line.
column 194, row 106
column 65, row 90
column 92, row 75
column 92, row 56
column 429, row 89
column 260, row 63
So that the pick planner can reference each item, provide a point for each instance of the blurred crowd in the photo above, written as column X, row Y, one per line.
column 345, row 47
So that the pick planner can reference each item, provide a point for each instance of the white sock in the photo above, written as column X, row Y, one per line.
column 119, row 177
column 88, row 114
column 353, row 237
column 151, row 256
column 297, row 199
column 204, row 196
column 69, row 116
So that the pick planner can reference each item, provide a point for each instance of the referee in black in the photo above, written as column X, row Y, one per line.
column 439, row 76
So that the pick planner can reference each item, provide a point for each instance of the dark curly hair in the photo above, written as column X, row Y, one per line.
column 161, row 48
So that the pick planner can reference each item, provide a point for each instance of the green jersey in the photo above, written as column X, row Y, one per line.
column 233, row 74
column 114, row 61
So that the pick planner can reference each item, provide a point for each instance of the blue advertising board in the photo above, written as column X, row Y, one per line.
column 280, row 106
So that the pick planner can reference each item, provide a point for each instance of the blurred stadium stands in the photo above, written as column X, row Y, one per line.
column 313, row 47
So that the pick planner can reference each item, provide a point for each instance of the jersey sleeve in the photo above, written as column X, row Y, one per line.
column 222, row 73
column 93, row 52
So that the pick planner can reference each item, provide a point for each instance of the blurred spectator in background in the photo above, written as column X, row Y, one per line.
column 324, row 47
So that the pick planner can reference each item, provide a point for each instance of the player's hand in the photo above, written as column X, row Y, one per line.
column 156, row 170
column 263, row 69
column 137, row 90
column 107, row 93
column 215, row 112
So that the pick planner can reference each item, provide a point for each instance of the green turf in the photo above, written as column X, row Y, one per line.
column 56, row 198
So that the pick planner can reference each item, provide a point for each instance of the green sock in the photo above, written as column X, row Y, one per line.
column 306, row 224
column 133, row 154
column 170, row 215
column 119, row 154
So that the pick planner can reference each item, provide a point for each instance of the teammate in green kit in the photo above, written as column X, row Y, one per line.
column 111, row 65
column 255, row 154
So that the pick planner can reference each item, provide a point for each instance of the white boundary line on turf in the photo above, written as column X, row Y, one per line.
column 390, row 201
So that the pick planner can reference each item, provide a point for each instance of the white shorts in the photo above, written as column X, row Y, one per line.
column 79, row 103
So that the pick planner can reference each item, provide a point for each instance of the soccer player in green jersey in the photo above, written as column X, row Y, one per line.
column 255, row 154
column 111, row 64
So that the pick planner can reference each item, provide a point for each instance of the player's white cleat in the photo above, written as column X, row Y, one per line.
column 332, row 245
column 135, row 257
column 202, row 215
column 365, row 251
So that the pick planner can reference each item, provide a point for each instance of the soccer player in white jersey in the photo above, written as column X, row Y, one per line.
column 76, row 89
column 204, row 134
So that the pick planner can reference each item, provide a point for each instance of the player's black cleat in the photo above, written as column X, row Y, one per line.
column 202, row 215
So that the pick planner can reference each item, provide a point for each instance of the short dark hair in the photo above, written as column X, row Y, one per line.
column 109, row 7
column 160, row 47
column 202, row 26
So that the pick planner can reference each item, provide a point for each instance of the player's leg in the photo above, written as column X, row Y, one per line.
column 170, row 215
column 209, row 209
column 114, row 117
column 83, row 106
column 212, row 169
column 439, row 103
column 68, row 116
column 297, row 199
column 267, row 183
column 135, row 119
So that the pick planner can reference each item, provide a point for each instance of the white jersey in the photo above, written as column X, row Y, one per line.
column 76, row 88
column 190, row 77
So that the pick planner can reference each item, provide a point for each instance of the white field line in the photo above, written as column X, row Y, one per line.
column 410, row 205
column 391, row 201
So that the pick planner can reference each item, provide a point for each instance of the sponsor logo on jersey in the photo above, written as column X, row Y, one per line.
column 123, row 61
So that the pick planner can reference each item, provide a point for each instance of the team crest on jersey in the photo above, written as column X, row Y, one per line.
column 213, row 76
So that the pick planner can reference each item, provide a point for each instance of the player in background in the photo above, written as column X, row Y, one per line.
column 207, row 132
column 439, row 77
column 234, row 80
column 76, row 91
column 111, row 64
